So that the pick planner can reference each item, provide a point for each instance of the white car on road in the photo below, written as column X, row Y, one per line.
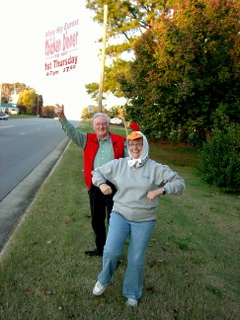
column 116, row 121
column 3, row 116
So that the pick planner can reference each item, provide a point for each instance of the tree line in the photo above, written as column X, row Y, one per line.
column 177, row 63
column 183, row 76
column 28, row 101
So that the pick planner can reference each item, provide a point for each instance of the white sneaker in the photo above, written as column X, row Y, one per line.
column 131, row 302
column 98, row 289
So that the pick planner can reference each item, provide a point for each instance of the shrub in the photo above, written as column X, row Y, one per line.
column 219, row 161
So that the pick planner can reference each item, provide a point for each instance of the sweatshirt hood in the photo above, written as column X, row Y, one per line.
column 144, row 154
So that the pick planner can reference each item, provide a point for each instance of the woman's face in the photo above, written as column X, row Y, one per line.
column 135, row 147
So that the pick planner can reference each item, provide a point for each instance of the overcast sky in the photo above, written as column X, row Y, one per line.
column 23, row 25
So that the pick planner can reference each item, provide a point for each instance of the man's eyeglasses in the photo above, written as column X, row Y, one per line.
column 138, row 144
column 100, row 124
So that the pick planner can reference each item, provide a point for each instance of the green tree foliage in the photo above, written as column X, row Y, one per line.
column 114, row 112
column 111, row 83
column 186, row 74
column 219, row 161
column 92, row 89
column 127, row 20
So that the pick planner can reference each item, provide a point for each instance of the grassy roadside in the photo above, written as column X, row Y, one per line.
column 21, row 116
column 192, row 263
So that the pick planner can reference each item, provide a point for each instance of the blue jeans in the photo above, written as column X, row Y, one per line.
column 139, row 234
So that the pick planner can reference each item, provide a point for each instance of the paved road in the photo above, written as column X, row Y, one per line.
column 45, row 141
column 24, row 144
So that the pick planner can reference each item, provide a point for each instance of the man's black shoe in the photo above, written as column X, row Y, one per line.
column 93, row 253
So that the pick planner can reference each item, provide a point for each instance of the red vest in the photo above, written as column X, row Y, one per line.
column 91, row 149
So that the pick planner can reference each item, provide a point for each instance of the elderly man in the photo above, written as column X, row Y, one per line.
column 98, row 148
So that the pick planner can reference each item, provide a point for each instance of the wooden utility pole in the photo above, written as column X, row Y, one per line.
column 100, row 94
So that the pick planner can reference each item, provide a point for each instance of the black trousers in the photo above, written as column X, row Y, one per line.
column 101, row 207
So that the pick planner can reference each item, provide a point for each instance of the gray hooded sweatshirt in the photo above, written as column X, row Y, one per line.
column 133, row 184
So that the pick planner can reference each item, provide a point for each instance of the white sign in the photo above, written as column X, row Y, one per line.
column 90, row 109
column 62, row 49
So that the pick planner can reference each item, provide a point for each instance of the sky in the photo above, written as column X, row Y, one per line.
column 23, row 26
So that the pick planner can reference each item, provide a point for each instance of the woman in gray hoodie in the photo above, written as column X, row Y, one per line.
column 139, row 181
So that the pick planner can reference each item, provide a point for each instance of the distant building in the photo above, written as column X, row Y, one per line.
column 9, row 108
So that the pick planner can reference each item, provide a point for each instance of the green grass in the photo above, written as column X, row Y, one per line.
column 192, row 262
column 20, row 116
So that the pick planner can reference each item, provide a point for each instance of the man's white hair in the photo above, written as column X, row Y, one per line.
column 100, row 114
